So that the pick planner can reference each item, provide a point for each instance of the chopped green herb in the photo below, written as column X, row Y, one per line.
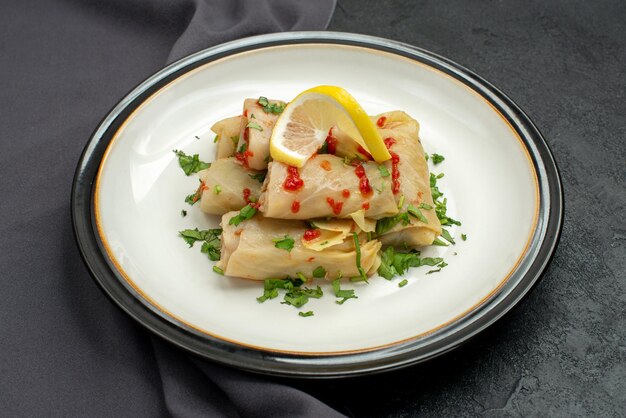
column 395, row 263
column 305, row 314
column 440, row 175
column 211, row 244
column 235, row 139
column 319, row 272
column 267, row 159
column 252, row 116
column 254, row 125
column 357, row 246
column 403, row 283
column 217, row 189
column 242, row 148
column 439, row 242
column 425, row 206
column 285, row 243
column 245, row 213
column 194, row 197
column 464, row 237
column 218, row 270
column 434, row 271
column 301, row 276
column 268, row 107
column 401, row 202
column 323, row 149
column 217, row 137
column 196, row 136
column 183, row 213
column 426, row 156
column 385, row 224
column 343, row 294
column 446, row 235
column 437, row 158
column 413, row 211
column 190, row 164
column 324, row 243
column 383, row 171
column 259, row 177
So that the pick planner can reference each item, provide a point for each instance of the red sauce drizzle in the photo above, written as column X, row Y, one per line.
column 295, row 206
column 242, row 157
column 331, row 142
column 345, row 193
column 336, row 206
column 310, row 259
column 364, row 183
column 325, row 165
column 389, row 142
column 293, row 182
column 366, row 205
column 246, row 195
column 364, row 152
column 381, row 121
column 311, row 234
column 395, row 173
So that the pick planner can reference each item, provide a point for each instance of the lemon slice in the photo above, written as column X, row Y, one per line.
column 303, row 126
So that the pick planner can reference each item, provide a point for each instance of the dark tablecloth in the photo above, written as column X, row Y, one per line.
column 65, row 350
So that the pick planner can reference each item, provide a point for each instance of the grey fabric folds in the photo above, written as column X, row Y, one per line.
column 65, row 350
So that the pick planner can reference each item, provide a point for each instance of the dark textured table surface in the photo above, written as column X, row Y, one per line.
column 562, row 352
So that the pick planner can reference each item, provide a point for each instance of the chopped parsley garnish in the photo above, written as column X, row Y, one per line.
column 357, row 247
column 183, row 213
column 426, row 156
column 395, row 263
column 242, row 148
column 305, row 314
column 295, row 295
column 440, row 205
column 194, row 197
column 440, row 265
column 196, row 136
column 464, row 237
column 217, row 137
column 210, row 237
column 436, row 158
column 385, row 224
column 439, row 242
column 401, row 202
column 218, row 270
column 259, row 177
column 247, row 212
column 383, row 171
column 299, row 296
column 425, row 206
column 319, row 272
column 190, row 164
column 235, row 139
column 344, row 294
column 275, row 108
column 285, row 243
column 254, row 125
column 446, row 235
column 217, row 189
column 323, row 149
column 403, row 283
column 413, row 211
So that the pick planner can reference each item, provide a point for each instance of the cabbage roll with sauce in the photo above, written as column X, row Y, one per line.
column 249, row 251
column 253, row 149
column 227, row 186
column 227, row 132
column 326, row 187
column 410, row 183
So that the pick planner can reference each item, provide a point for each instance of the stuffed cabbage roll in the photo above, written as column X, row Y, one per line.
column 326, row 187
column 257, row 122
column 227, row 186
column 227, row 132
column 249, row 250
column 410, row 184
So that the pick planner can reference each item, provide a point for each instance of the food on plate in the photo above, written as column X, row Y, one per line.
column 316, row 189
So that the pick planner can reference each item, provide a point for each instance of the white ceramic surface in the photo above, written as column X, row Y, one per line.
column 489, row 183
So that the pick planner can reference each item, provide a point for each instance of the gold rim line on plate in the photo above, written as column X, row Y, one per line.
column 167, row 313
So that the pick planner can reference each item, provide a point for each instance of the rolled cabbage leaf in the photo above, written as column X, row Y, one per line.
column 225, row 184
column 249, row 251
column 401, row 133
column 253, row 149
column 227, row 131
column 330, row 188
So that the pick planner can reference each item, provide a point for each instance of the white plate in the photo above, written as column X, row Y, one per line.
column 493, row 174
